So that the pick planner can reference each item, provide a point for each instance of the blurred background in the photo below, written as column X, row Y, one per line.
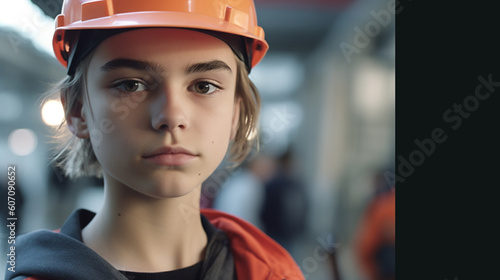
column 322, row 183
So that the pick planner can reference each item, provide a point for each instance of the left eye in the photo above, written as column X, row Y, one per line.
column 203, row 87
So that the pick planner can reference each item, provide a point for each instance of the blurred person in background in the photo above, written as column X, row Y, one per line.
column 157, row 92
column 376, row 235
column 285, row 206
column 242, row 194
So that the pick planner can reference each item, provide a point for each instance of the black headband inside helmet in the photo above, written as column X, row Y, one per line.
column 84, row 41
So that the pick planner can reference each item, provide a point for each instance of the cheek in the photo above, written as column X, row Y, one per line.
column 111, row 122
column 215, row 132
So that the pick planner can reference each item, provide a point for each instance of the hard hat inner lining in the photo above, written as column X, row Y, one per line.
column 88, row 39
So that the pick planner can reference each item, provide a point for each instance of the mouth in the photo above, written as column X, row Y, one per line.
column 170, row 156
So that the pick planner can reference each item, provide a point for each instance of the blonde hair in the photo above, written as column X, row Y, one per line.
column 76, row 156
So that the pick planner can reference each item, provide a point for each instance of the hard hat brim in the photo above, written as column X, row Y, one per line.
column 161, row 19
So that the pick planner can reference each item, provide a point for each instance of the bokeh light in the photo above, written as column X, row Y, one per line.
column 52, row 113
column 22, row 142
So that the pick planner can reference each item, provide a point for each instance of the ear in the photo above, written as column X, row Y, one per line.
column 75, row 118
column 236, row 118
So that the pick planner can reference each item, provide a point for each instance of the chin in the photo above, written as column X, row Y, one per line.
column 166, row 189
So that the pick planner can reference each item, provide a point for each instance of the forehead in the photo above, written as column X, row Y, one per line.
column 158, row 43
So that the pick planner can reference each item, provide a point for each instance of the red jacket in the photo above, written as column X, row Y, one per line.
column 377, row 232
column 64, row 256
column 256, row 255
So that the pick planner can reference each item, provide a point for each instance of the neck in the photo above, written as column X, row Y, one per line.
column 135, row 232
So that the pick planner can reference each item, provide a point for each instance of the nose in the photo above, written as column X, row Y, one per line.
column 170, row 111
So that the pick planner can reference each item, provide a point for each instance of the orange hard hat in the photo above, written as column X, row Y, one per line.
column 227, row 17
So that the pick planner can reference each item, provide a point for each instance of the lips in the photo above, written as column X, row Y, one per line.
column 170, row 156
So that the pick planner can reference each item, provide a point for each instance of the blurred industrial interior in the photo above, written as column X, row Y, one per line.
column 328, row 90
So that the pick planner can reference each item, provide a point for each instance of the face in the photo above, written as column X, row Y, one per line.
column 160, row 109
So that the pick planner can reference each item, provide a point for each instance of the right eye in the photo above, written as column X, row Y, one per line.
column 131, row 86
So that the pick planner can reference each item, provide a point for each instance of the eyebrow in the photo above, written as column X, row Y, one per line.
column 208, row 66
column 148, row 66
column 131, row 63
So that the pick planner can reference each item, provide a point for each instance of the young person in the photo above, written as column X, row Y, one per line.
column 156, row 93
